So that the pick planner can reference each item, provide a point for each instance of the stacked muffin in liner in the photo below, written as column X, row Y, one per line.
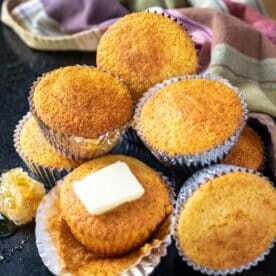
column 67, row 146
column 191, row 162
column 47, row 174
column 77, row 147
column 248, row 152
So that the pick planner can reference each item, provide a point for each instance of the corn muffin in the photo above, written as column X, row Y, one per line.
column 62, row 253
column 248, row 152
column 38, row 154
column 145, row 48
column 229, row 221
column 189, row 116
column 34, row 147
column 81, row 101
column 124, row 228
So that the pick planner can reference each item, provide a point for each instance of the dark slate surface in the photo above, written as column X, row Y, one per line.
column 19, row 67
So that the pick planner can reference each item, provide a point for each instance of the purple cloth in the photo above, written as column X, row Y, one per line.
column 75, row 16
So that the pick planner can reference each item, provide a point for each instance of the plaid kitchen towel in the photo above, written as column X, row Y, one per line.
column 249, row 63
column 228, row 46
column 49, row 18
column 32, row 16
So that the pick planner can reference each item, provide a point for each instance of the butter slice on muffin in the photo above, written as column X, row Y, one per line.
column 125, row 227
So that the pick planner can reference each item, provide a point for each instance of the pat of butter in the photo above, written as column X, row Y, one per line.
column 108, row 188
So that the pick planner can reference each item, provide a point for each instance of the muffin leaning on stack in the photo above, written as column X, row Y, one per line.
column 38, row 154
column 81, row 110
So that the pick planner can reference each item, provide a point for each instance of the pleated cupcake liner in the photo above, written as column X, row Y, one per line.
column 48, row 251
column 190, row 163
column 77, row 147
column 187, row 190
column 48, row 175
column 131, row 136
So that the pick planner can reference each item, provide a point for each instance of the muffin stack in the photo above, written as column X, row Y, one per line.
column 189, row 123
column 77, row 113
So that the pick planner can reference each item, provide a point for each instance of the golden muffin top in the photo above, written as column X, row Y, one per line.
column 124, row 228
column 34, row 147
column 82, row 101
column 228, row 221
column 248, row 151
column 191, row 116
column 146, row 48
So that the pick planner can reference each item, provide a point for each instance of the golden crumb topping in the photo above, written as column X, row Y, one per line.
column 146, row 48
column 34, row 147
column 191, row 116
column 248, row 151
column 82, row 101
column 228, row 221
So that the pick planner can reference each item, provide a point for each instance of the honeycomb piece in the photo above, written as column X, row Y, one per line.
column 19, row 196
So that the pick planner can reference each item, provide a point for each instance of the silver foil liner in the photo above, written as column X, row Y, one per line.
column 161, row 11
column 49, row 253
column 190, row 162
column 189, row 187
column 46, row 174
column 75, row 147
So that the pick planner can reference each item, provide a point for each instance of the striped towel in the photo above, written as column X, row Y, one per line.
column 32, row 16
column 249, row 63
column 233, row 39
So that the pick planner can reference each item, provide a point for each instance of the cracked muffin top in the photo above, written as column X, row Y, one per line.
column 127, row 226
column 81, row 101
column 228, row 221
column 190, row 116
column 146, row 48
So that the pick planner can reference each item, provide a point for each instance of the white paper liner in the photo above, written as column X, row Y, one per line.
column 76, row 147
column 48, row 175
column 188, row 188
column 49, row 253
column 191, row 162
